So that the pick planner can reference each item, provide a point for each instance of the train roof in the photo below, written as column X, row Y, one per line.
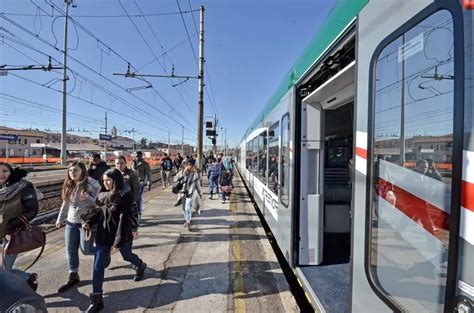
column 337, row 20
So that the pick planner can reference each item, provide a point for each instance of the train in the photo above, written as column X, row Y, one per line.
column 362, row 161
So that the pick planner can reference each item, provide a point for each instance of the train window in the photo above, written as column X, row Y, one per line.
column 411, row 180
column 262, row 157
column 255, row 156
column 248, row 156
column 285, row 160
column 273, row 157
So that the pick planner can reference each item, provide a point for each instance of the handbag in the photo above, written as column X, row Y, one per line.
column 177, row 187
column 24, row 239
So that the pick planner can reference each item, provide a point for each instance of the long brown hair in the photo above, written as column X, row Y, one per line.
column 70, row 184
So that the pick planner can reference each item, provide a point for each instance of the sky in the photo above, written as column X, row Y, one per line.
column 249, row 47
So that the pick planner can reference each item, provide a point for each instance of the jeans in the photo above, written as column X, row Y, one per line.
column 165, row 178
column 213, row 185
column 74, row 237
column 101, row 257
column 140, row 202
column 187, row 209
column 128, row 255
column 10, row 261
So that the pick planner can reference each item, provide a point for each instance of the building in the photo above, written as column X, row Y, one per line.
column 120, row 142
column 22, row 146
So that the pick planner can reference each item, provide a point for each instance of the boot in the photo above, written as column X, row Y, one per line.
column 96, row 303
column 73, row 280
column 140, row 272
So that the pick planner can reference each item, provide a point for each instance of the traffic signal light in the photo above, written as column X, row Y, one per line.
column 213, row 141
column 209, row 124
column 210, row 132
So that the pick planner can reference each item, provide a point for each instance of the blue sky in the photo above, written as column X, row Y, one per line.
column 249, row 47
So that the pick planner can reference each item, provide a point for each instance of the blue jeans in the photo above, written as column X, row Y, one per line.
column 213, row 185
column 74, row 238
column 187, row 209
column 10, row 261
column 101, row 257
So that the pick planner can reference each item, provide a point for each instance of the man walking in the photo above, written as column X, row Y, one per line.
column 144, row 174
column 97, row 168
column 166, row 167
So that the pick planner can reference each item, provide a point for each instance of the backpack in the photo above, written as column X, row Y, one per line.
column 168, row 165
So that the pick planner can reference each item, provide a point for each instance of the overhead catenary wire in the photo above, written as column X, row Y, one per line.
column 149, row 47
column 88, row 67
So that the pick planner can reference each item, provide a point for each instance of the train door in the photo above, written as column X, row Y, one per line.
column 408, row 162
column 327, row 118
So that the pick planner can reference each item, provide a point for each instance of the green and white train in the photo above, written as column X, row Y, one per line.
column 362, row 163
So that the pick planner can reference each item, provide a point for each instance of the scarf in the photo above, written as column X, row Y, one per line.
column 12, row 190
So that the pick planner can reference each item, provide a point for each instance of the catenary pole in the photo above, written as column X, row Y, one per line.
column 65, row 78
column 182, row 139
column 105, row 141
column 201, row 88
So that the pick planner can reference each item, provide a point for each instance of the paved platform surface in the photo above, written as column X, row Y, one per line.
column 223, row 263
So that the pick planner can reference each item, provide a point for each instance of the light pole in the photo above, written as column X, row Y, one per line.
column 65, row 78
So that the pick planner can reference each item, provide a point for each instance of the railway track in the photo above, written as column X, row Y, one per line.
column 48, row 217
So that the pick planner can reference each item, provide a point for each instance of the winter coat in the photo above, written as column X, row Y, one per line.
column 72, row 209
column 143, row 169
column 191, row 187
column 96, row 171
column 115, row 219
column 16, row 200
column 131, row 179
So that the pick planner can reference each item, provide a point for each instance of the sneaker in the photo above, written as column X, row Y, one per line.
column 210, row 197
column 199, row 212
column 223, row 202
column 180, row 201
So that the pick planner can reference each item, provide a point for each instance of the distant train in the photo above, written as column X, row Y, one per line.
column 362, row 163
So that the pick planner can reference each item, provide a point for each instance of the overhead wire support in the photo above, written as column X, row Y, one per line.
column 172, row 75
column 46, row 68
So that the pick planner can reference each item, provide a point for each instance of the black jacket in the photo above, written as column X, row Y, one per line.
column 115, row 220
column 96, row 171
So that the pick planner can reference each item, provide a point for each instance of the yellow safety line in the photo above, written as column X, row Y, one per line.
column 239, row 288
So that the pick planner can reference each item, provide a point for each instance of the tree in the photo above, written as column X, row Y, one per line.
column 143, row 143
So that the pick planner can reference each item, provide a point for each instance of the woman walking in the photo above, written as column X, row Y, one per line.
column 115, row 222
column 17, row 200
column 191, row 190
column 79, row 194
column 225, row 181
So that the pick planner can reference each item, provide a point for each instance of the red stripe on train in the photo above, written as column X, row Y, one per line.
column 467, row 200
column 422, row 212
column 361, row 152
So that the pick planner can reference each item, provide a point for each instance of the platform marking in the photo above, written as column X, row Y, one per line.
column 239, row 288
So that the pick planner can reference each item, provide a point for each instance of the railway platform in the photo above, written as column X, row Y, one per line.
column 224, row 262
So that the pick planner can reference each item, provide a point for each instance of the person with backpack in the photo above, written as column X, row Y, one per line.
column 225, row 181
column 166, row 168
column 115, row 222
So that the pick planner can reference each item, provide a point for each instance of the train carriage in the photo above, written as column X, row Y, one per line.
column 362, row 163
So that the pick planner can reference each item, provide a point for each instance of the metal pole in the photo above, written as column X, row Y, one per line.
column 182, row 140
column 222, row 140
column 402, row 108
column 225, row 141
column 133, row 132
column 7, row 152
column 201, row 88
column 65, row 78
column 105, row 141
column 169, row 149
column 215, row 139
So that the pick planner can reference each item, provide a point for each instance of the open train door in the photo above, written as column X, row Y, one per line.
column 409, row 157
